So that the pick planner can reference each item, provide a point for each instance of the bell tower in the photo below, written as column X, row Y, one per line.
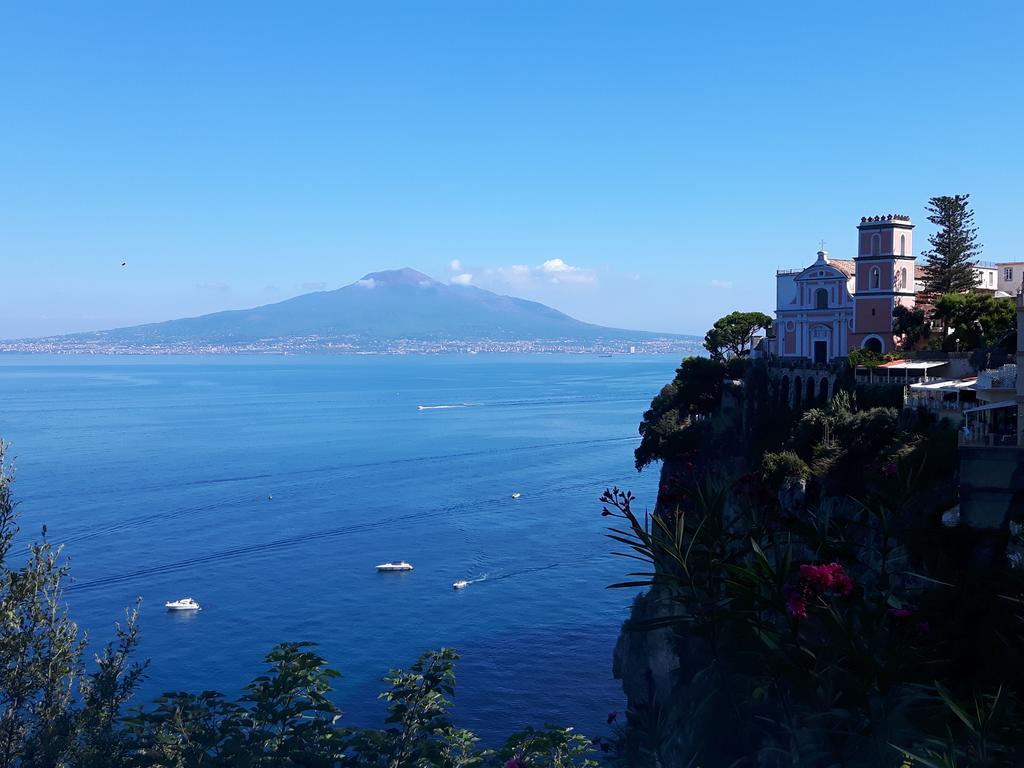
column 884, row 268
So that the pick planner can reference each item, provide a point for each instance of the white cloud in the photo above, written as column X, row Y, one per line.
column 366, row 283
column 455, row 266
column 552, row 271
column 464, row 279
column 721, row 283
column 557, row 271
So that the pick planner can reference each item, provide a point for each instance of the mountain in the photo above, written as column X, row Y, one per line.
column 396, row 304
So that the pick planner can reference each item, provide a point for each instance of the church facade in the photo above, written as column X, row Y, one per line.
column 835, row 305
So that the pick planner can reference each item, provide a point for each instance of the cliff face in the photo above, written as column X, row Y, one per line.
column 705, row 654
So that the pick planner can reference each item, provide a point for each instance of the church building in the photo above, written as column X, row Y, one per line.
column 835, row 305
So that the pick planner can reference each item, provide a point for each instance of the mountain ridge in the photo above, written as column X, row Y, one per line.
column 381, row 306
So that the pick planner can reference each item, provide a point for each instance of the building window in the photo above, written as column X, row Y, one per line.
column 876, row 278
column 876, row 245
column 821, row 299
column 903, row 245
column 1007, row 273
column 903, row 279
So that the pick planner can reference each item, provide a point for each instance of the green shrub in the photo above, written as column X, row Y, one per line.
column 782, row 466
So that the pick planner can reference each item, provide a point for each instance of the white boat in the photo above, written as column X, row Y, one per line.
column 460, row 584
column 516, row 495
column 184, row 604
column 400, row 565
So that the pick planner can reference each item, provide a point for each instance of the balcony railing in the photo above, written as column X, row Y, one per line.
column 986, row 440
column 938, row 406
column 999, row 378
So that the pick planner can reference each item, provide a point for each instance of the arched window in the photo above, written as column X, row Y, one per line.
column 821, row 299
column 876, row 245
column 876, row 278
column 903, row 279
column 903, row 245
column 874, row 344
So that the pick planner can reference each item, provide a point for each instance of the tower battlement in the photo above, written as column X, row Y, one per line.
column 885, row 219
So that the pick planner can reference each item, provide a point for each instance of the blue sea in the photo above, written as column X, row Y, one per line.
column 156, row 474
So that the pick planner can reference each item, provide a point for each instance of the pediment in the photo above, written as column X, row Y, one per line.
column 822, row 272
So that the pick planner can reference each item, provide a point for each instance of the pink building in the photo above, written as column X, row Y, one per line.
column 835, row 305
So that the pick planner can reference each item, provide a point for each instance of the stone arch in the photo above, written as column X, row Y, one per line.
column 809, row 396
column 784, row 391
column 798, row 392
column 874, row 344
column 823, row 393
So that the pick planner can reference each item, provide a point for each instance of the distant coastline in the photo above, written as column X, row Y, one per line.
column 65, row 345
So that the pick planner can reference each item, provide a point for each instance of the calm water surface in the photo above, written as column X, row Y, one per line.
column 156, row 473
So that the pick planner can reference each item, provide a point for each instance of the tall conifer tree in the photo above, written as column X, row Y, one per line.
column 954, row 248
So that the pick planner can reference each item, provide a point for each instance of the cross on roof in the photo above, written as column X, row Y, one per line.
column 821, row 245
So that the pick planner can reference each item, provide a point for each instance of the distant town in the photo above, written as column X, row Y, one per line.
column 304, row 345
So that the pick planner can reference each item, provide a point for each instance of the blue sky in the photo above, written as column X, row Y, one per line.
column 661, row 159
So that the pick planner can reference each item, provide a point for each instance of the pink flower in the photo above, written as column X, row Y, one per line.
column 889, row 470
column 814, row 581
column 842, row 585
column 817, row 577
column 900, row 614
column 515, row 762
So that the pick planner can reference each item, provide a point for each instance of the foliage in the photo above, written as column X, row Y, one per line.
column 849, row 629
column 734, row 333
column 911, row 326
column 696, row 391
column 551, row 748
column 823, row 650
column 781, row 466
column 975, row 320
column 55, row 715
column 954, row 247
column 53, row 712
column 866, row 357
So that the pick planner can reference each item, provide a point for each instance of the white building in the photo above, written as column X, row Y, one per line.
column 1010, row 275
column 988, row 276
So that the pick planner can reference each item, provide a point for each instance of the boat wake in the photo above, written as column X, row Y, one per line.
column 443, row 407
column 305, row 537
column 512, row 574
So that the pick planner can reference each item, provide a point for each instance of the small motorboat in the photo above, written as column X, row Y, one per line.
column 460, row 584
column 517, row 495
column 400, row 565
column 185, row 604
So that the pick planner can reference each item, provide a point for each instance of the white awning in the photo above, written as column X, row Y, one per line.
column 993, row 406
column 944, row 385
column 912, row 365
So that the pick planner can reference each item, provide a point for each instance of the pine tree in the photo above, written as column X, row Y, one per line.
column 954, row 248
